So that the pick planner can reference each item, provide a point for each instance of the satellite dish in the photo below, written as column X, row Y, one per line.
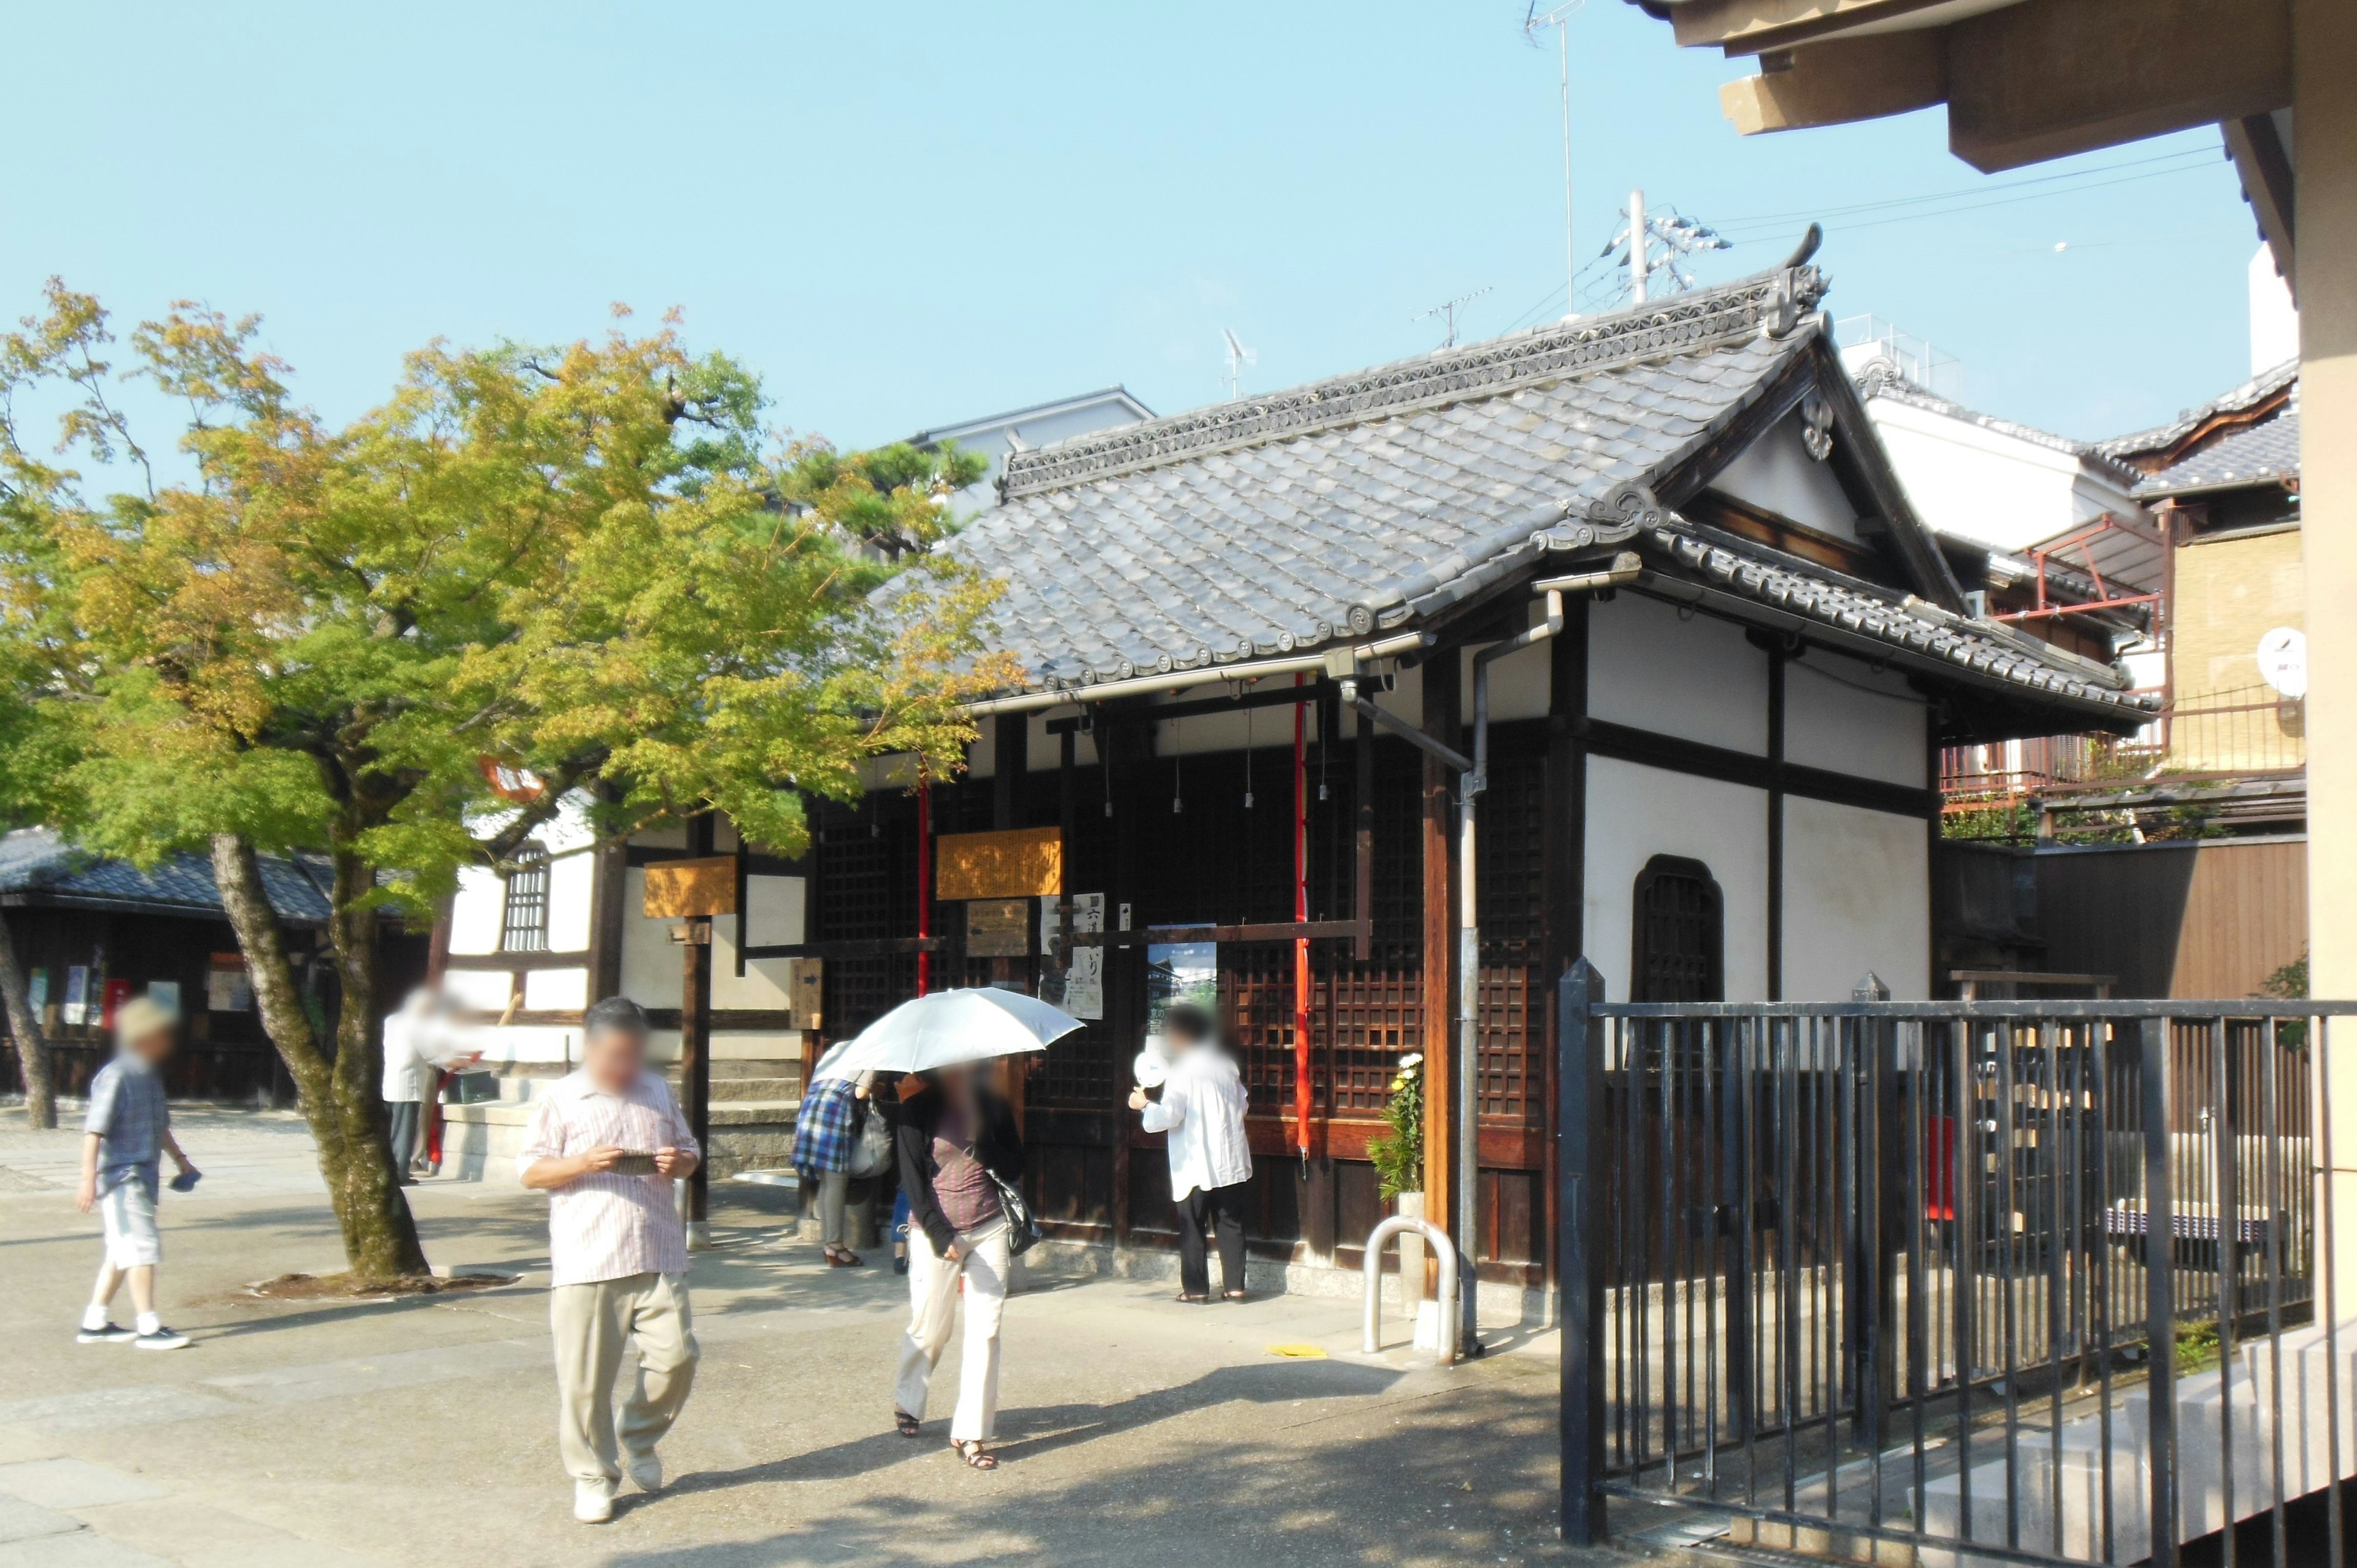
column 2283, row 661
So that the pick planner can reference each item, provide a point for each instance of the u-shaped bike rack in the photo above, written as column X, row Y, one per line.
column 1443, row 1249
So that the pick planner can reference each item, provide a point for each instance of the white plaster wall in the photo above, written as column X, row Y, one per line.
column 1857, row 898
column 477, row 912
column 1830, row 723
column 1635, row 813
column 650, row 961
column 555, row 990
column 773, row 913
column 1696, row 677
column 1520, row 683
column 482, row 990
column 570, row 879
column 1985, row 485
column 1776, row 474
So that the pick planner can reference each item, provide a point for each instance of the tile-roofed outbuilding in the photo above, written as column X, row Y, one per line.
column 2161, row 439
column 37, row 865
column 2263, row 454
column 1383, row 500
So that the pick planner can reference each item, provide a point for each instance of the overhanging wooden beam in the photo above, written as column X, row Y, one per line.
column 2024, row 82
column 2260, row 157
column 1749, row 27
column 1835, row 83
column 2058, row 77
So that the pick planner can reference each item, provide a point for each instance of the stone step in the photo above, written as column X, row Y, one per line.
column 755, row 1089
column 755, row 1112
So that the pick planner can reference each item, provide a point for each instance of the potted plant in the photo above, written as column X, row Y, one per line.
column 1398, row 1154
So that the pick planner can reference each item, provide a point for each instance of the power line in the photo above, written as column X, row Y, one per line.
column 2081, row 178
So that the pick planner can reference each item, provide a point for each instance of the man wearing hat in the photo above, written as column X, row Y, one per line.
column 128, row 1127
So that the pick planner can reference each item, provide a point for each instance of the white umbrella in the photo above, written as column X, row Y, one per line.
column 952, row 1026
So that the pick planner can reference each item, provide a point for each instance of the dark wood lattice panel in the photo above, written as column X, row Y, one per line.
column 1368, row 1016
column 1256, row 1015
column 866, row 857
column 1513, row 866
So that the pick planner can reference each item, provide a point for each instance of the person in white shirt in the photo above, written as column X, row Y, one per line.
column 1203, row 1108
column 408, row 1082
column 605, row 1144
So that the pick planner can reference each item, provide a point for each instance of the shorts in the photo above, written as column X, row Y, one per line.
column 129, row 1214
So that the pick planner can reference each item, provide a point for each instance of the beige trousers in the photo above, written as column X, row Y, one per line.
column 932, row 1310
column 591, row 1323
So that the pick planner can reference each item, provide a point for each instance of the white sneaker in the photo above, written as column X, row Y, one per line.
column 646, row 1471
column 593, row 1501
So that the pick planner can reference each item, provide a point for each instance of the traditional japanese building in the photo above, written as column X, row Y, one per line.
column 1647, row 578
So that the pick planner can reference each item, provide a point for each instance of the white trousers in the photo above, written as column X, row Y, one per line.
column 932, row 1308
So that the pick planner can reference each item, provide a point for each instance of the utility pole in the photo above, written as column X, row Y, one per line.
column 1638, row 264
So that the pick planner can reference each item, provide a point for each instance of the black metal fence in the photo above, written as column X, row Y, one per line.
column 2015, row 1281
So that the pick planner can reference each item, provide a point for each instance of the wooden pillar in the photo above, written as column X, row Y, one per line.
column 696, row 1038
column 609, row 883
column 1124, row 1014
column 1010, row 759
column 1438, row 835
column 1563, row 847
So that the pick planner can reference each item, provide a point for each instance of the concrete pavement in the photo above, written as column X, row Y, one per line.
column 333, row 1435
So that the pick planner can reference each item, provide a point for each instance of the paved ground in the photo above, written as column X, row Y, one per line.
column 309, row 1435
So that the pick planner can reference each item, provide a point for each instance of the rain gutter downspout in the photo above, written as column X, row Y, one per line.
column 1474, row 778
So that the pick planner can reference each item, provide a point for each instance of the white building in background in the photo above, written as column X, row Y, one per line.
column 1021, row 429
column 1996, row 482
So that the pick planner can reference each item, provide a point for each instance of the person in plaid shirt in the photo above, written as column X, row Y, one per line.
column 127, row 1131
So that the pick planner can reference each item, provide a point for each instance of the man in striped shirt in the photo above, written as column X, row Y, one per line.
column 605, row 1143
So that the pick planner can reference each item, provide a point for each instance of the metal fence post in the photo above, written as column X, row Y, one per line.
column 1870, row 1298
column 1580, row 1134
column 2160, row 1303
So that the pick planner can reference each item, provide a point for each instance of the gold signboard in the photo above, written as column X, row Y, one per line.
column 682, row 889
column 1021, row 863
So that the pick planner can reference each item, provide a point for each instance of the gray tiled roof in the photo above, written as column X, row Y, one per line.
column 2160, row 437
column 36, row 861
column 1872, row 614
column 1274, row 525
column 2263, row 454
column 1277, row 524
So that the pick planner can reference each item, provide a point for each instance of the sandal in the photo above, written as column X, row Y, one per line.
column 907, row 1425
column 1192, row 1300
column 842, row 1258
column 975, row 1456
column 1235, row 1295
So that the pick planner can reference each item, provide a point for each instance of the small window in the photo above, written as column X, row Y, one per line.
column 525, row 925
column 1680, row 933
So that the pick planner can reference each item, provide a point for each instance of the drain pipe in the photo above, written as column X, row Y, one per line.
column 1474, row 779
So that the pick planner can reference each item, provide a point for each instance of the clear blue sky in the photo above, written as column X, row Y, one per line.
column 905, row 216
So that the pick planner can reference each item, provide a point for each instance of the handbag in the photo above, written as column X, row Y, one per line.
column 1022, row 1227
column 871, row 1146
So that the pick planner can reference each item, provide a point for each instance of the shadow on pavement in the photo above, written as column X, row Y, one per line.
column 1399, row 1496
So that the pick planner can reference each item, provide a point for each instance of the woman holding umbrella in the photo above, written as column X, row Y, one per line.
column 962, row 1169
column 958, row 1143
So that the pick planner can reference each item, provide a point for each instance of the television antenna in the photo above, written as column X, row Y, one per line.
column 1238, row 358
column 1559, row 18
column 1447, row 310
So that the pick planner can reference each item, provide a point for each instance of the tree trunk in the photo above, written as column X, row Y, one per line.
column 32, row 1050
column 339, row 1100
